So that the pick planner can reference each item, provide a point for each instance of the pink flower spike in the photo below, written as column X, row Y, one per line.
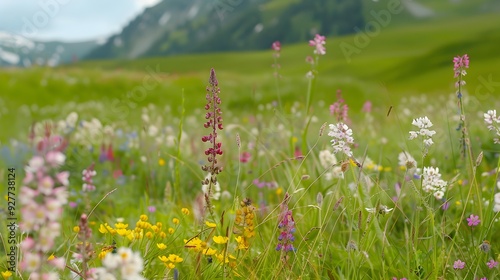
column 473, row 221
column 318, row 42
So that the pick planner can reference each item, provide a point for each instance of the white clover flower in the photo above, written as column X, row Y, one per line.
column 342, row 138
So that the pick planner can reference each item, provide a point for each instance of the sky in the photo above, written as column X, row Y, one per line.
column 68, row 20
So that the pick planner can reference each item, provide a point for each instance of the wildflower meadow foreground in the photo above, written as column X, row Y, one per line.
column 301, row 190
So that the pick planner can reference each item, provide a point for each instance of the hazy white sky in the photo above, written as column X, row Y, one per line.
column 68, row 20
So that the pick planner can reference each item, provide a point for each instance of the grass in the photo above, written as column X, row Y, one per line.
column 365, row 217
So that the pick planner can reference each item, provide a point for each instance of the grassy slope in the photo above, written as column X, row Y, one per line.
column 400, row 60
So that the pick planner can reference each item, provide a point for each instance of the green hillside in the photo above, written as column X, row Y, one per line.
column 401, row 60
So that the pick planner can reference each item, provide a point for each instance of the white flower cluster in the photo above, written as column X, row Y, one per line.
column 496, row 207
column 342, row 138
column 215, row 191
column 423, row 124
column 432, row 182
column 125, row 265
column 328, row 161
column 92, row 133
column 493, row 123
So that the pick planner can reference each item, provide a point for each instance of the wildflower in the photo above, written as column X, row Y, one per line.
column 211, row 189
column 244, row 224
column 407, row 161
column 161, row 246
column 161, row 162
column 342, row 138
column 245, row 157
column 432, row 182
column 473, row 221
column 175, row 221
column 367, row 107
column 276, row 46
column 220, row 239
column 318, row 42
column 185, row 211
column 339, row 109
column 459, row 65
column 458, row 264
column 43, row 196
column 328, row 160
column 287, row 228
column 492, row 264
column 492, row 122
column 87, row 174
column 381, row 209
column 124, row 263
column 423, row 124
column 210, row 224
column 6, row 274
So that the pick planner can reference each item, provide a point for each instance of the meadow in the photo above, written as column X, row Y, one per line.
column 259, row 165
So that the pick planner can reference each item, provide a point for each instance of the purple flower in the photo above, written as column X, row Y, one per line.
column 492, row 264
column 458, row 264
column 151, row 209
column 287, row 228
column 473, row 221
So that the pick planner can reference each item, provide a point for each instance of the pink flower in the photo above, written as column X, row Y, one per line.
column 459, row 63
column 492, row 264
column 276, row 46
column 473, row 221
column 367, row 107
column 458, row 264
column 318, row 42
column 245, row 157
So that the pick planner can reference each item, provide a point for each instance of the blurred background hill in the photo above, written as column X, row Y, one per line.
column 197, row 26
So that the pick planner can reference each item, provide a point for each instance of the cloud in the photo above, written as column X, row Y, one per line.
column 68, row 20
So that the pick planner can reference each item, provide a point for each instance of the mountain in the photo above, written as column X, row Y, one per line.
column 173, row 27
column 17, row 50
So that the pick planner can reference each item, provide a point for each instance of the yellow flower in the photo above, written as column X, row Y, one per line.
column 163, row 258
column 149, row 235
column 175, row 221
column 174, row 258
column 171, row 230
column 161, row 246
column 161, row 162
column 209, row 252
column 143, row 218
column 76, row 229
column 279, row 191
column 220, row 239
column 162, row 234
column 105, row 228
column 170, row 265
column 121, row 226
column 6, row 274
column 51, row 257
column 210, row 224
column 195, row 244
column 123, row 232
column 185, row 211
